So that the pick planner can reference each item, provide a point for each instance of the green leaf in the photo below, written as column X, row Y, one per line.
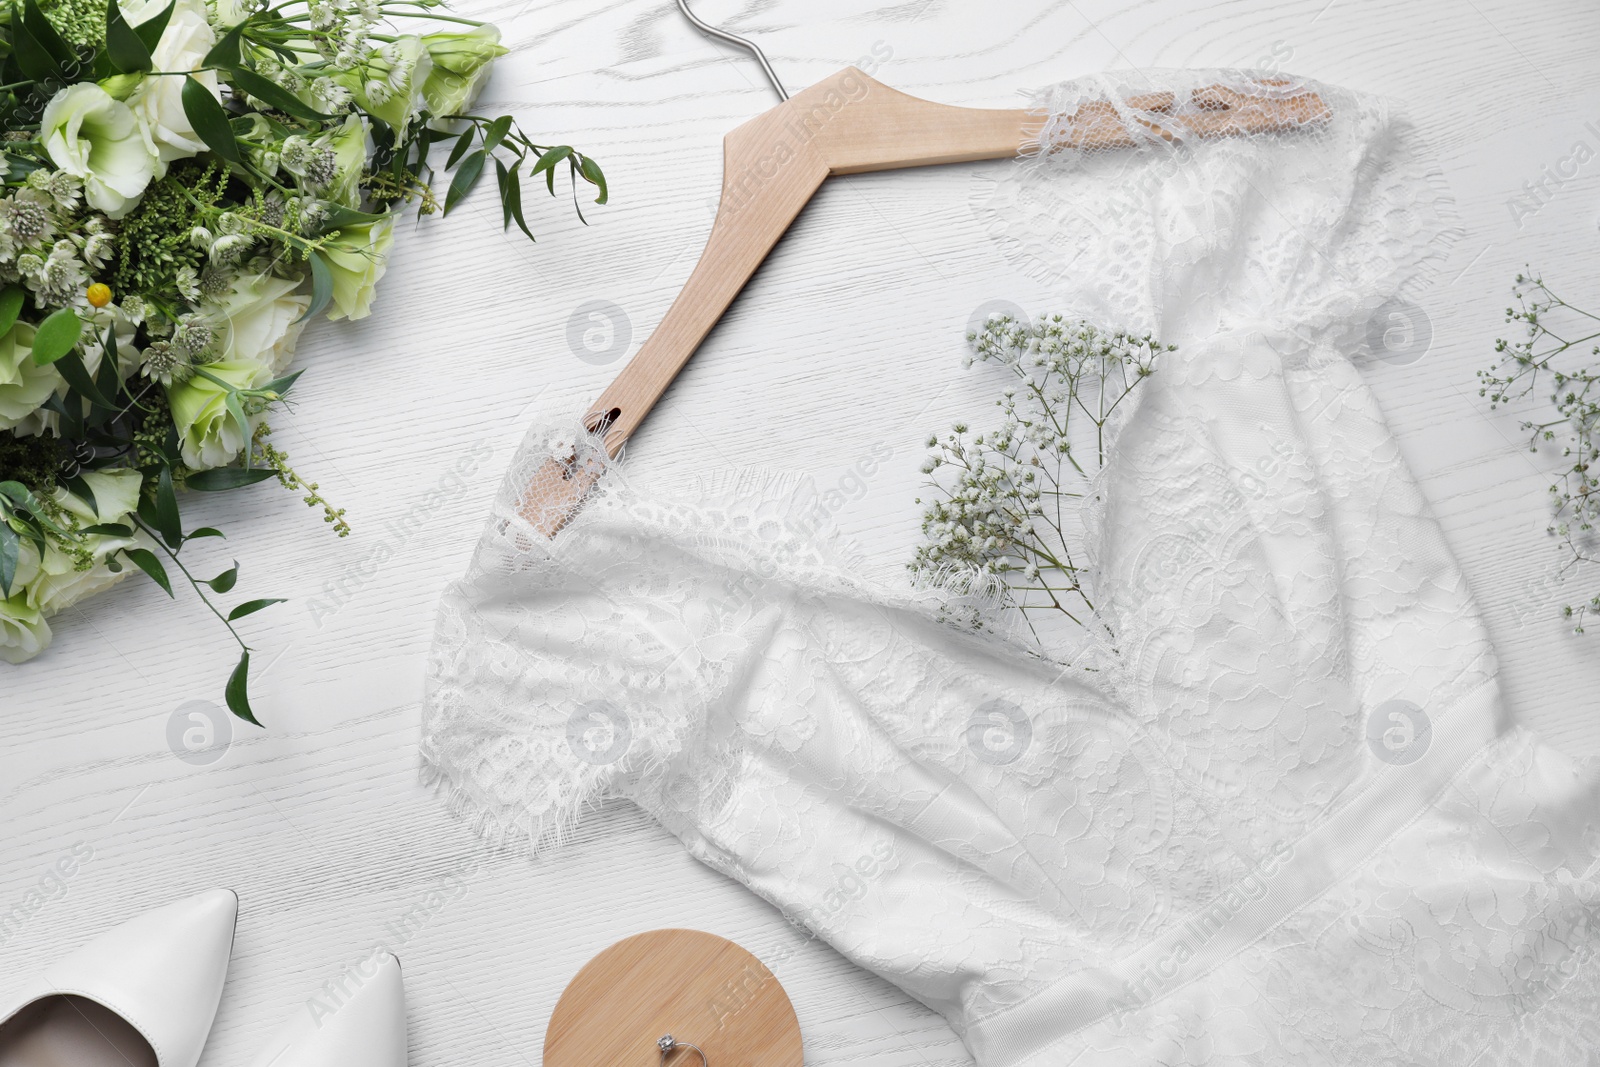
column 463, row 143
column 272, row 94
column 221, row 479
column 225, row 53
column 10, row 307
column 109, row 529
column 321, row 286
column 502, row 178
column 58, row 334
column 280, row 387
column 466, row 177
column 551, row 158
column 496, row 132
column 70, row 367
column 43, row 31
column 339, row 217
column 83, row 491
column 239, row 690
column 107, row 378
column 514, row 199
column 33, row 57
column 10, row 553
column 167, row 522
column 210, row 531
column 127, row 50
column 592, row 174
column 151, row 29
column 146, row 561
column 225, row 581
column 208, row 117
column 250, row 607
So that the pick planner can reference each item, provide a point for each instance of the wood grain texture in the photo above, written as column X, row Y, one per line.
column 700, row 988
column 409, row 418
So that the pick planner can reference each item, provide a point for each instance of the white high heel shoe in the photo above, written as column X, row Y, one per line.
column 355, row 1020
column 142, row 994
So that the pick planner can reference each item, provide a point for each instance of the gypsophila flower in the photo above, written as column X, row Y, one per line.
column 1554, row 330
column 1006, row 518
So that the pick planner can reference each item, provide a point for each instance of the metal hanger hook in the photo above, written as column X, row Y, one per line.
column 749, row 46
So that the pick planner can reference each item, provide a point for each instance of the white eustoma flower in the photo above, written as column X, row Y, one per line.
column 23, row 385
column 23, row 632
column 45, row 586
column 97, row 139
column 357, row 258
column 59, row 583
column 461, row 65
column 208, row 434
column 258, row 319
column 158, row 101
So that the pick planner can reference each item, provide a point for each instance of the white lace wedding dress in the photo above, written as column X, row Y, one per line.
column 1281, row 818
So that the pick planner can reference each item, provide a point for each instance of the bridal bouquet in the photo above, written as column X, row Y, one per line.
column 185, row 184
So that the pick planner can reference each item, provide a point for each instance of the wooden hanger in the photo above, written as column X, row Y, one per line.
column 849, row 123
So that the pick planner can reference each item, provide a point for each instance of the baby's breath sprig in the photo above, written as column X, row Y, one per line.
column 1007, row 506
column 1558, row 334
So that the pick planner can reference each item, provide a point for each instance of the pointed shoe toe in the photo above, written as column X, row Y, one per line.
column 355, row 1020
column 144, row 993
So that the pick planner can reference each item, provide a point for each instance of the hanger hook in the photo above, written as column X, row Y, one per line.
column 749, row 46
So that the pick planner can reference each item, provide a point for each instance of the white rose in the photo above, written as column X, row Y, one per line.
column 158, row 101
column 258, row 319
column 97, row 139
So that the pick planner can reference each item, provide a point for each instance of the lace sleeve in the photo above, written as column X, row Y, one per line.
column 1308, row 229
column 568, row 669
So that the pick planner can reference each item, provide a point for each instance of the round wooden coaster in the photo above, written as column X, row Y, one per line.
column 698, row 987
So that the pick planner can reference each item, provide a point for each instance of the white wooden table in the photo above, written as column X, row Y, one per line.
column 319, row 822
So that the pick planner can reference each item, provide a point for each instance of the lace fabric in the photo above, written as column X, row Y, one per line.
column 1278, row 815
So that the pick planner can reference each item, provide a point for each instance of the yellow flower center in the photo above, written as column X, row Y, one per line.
column 99, row 294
